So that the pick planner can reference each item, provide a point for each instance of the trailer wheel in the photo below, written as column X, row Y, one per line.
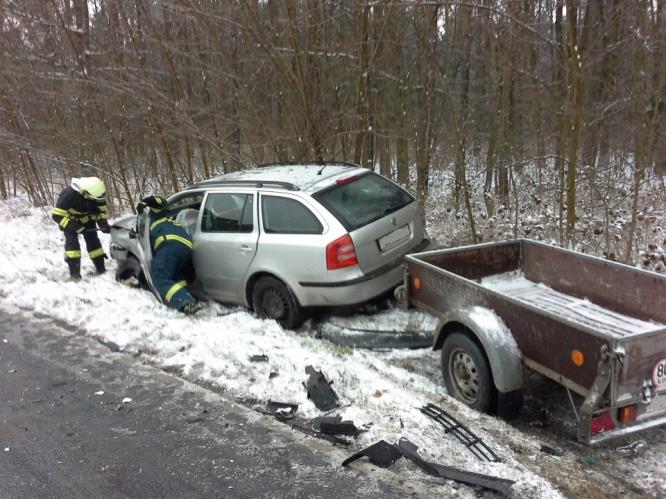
column 467, row 375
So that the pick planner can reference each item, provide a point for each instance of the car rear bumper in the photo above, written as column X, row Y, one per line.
column 357, row 290
column 348, row 292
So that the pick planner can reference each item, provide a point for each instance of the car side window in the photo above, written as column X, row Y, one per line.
column 288, row 216
column 227, row 212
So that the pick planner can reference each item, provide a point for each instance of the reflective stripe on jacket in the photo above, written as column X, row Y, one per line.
column 166, row 229
column 72, row 205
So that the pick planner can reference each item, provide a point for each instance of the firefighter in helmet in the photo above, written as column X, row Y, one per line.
column 171, row 268
column 80, row 209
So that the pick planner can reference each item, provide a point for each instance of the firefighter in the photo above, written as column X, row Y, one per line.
column 171, row 268
column 80, row 209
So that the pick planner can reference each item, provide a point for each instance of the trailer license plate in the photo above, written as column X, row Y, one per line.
column 659, row 375
column 394, row 238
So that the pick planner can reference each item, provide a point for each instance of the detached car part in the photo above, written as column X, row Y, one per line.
column 320, row 391
column 451, row 425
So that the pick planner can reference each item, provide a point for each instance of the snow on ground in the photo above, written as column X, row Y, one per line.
column 376, row 389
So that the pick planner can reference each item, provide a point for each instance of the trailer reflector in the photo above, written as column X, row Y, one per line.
column 577, row 358
column 417, row 283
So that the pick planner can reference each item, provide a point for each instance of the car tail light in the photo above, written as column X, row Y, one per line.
column 603, row 422
column 346, row 180
column 341, row 253
column 628, row 413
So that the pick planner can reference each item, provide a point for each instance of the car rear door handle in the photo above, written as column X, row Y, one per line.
column 246, row 248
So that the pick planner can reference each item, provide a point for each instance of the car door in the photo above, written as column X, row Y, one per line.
column 292, row 247
column 225, row 243
column 187, row 201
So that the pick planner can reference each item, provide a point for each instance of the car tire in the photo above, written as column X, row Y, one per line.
column 466, row 372
column 272, row 299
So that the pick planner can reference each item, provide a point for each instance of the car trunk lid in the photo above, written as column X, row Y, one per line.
column 383, row 220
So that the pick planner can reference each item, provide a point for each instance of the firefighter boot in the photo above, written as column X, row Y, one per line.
column 74, row 269
column 99, row 264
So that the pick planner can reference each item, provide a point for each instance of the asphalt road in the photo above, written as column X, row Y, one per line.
column 61, row 437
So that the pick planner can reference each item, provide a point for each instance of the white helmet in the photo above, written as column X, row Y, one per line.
column 90, row 187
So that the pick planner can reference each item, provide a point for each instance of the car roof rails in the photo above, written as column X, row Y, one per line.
column 310, row 163
column 248, row 183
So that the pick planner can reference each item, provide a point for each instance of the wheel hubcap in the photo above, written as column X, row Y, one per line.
column 274, row 304
column 465, row 376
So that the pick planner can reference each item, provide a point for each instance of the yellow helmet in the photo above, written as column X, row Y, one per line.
column 90, row 187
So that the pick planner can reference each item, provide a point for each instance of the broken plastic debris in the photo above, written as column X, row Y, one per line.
column 553, row 451
column 334, row 425
column 320, row 391
column 380, row 453
column 633, row 449
column 127, row 400
column 99, row 393
column 501, row 485
column 259, row 358
column 281, row 410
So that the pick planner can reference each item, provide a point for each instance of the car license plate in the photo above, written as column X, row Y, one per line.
column 394, row 238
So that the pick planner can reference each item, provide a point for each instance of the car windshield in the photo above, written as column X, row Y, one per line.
column 362, row 200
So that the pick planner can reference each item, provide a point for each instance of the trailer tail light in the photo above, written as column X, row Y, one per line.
column 603, row 422
column 341, row 253
column 628, row 413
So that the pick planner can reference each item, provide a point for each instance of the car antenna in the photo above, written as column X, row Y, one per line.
column 322, row 169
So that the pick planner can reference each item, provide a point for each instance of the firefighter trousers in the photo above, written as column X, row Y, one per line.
column 93, row 245
column 171, row 269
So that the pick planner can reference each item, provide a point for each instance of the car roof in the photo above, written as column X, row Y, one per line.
column 309, row 177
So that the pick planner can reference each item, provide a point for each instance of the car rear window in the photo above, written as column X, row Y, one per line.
column 363, row 200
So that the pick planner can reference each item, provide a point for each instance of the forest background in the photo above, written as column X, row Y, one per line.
column 506, row 118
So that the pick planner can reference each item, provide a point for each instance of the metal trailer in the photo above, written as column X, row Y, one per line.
column 597, row 327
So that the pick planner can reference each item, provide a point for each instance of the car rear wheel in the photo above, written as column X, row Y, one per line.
column 272, row 299
column 467, row 375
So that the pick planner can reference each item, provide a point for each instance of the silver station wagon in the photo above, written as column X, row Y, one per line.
column 284, row 238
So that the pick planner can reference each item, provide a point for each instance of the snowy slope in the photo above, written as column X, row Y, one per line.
column 382, row 390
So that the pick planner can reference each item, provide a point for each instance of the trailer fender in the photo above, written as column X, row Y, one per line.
column 494, row 336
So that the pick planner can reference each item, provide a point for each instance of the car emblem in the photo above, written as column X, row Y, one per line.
column 394, row 221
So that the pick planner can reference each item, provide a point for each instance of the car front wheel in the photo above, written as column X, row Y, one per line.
column 272, row 299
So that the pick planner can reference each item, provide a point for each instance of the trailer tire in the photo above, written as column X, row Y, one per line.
column 466, row 372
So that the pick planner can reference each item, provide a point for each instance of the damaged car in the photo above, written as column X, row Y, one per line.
column 282, row 239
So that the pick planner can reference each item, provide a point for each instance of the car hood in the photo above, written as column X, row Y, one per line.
column 127, row 222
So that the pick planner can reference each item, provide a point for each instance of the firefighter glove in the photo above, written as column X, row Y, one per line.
column 155, row 203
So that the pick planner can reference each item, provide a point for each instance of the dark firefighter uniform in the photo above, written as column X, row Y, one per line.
column 80, row 208
column 171, row 268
